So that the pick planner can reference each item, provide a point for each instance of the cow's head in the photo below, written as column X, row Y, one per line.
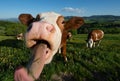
column 89, row 43
column 43, row 36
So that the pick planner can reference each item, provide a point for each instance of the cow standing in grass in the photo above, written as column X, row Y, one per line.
column 93, row 37
column 20, row 36
column 69, row 36
column 45, row 35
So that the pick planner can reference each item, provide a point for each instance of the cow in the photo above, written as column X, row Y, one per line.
column 69, row 35
column 45, row 35
column 61, row 50
column 20, row 36
column 93, row 37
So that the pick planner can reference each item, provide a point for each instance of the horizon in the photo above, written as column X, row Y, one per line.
column 83, row 8
column 65, row 16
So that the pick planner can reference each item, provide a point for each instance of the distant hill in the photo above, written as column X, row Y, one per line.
column 10, row 19
column 100, row 18
column 94, row 18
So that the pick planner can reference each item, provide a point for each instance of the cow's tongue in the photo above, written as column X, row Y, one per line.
column 36, row 65
column 40, row 52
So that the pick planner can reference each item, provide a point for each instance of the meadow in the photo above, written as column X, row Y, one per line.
column 84, row 64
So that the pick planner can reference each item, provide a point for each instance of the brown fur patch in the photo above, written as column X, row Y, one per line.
column 96, row 35
column 60, row 22
column 26, row 19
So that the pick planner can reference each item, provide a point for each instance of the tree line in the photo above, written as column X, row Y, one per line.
column 8, row 28
column 107, row 27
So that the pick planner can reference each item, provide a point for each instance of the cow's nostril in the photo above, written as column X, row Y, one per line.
column 50, row 28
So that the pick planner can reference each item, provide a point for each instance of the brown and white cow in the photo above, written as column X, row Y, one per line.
column 93, row 37
column 45, row 35
column 69, row 35
column 20, row 36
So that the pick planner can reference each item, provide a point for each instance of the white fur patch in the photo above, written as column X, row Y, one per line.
column 51, row 18
column 96, row 36
column 102, row 34
column 90, row 42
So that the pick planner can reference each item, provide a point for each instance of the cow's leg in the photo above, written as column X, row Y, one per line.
column 99, row 43
column 59, row 50
column 93, row 44
column 87, row 45
column 64, row 52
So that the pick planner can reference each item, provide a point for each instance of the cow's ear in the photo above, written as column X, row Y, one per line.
column 26, row 19
column 74, row 23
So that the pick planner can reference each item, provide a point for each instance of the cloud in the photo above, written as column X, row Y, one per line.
column 73, row 10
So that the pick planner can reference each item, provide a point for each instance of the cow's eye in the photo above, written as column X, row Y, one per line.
column 63, row 22
column 29, row 27
column 37, row 19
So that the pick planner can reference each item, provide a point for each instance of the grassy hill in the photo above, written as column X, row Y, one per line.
column 84, row 64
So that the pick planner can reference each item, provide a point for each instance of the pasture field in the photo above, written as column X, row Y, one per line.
column 5, row 37
column 97, row 64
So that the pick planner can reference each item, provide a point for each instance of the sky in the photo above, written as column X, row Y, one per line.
column 13, row 8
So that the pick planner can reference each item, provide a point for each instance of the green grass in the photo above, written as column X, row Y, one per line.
column 6, row 37
column 97, row 64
